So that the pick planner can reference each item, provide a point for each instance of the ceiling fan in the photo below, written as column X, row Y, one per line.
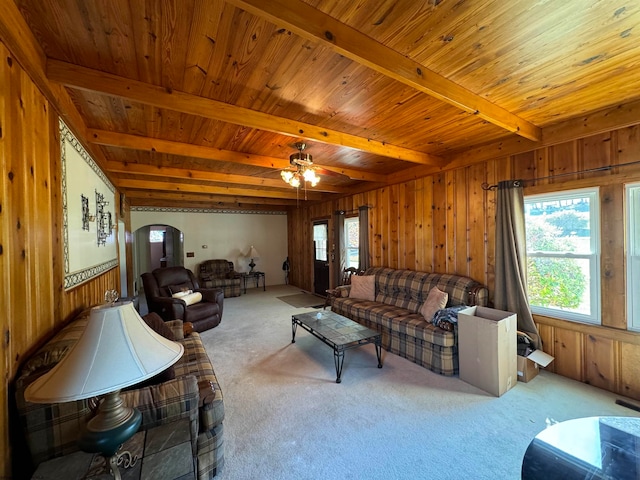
column 302, row 168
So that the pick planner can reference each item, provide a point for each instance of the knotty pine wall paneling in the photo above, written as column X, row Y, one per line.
column 31, row 251
column 453, row 222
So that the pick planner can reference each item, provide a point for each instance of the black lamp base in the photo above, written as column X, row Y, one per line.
column 252, row 265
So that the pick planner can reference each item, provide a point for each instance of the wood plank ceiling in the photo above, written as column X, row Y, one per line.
column 200, row 102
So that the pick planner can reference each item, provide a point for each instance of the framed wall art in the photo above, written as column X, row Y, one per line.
column 88, row 200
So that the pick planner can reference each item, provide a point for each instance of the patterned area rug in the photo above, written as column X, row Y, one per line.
column 303, row 300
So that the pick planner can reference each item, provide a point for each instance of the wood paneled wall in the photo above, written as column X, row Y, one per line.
column 446, row 223
column 31, row 253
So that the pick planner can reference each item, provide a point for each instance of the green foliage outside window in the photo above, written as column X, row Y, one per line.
column 552, row 281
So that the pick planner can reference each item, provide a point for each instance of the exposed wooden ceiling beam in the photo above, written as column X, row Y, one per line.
column 189, row 174
column 125, row 183
column 135, row 142
column 310, row 23
column 75, row 76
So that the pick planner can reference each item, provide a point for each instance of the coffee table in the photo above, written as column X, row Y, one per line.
column 339, row 332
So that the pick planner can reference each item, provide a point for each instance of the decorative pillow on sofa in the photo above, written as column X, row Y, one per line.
column 436, row 300
column 363, row 287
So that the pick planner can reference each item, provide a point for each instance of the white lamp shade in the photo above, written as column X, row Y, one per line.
column 117, row 349
column 253, row 253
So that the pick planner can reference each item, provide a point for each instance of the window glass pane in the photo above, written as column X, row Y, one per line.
column 352, row 241
column 559, row 226
column 156, row 236
column 633, row 257
column 561, row 283
column 320, row 240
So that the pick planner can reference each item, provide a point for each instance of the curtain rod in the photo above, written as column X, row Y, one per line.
column 486, row 186
column 355, row 210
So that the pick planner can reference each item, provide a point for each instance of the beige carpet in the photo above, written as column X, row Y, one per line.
column 286, row 418
column 302, row 300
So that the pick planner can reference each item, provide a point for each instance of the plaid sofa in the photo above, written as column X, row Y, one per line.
column 221, row 274
column 51, row 430
column 399, row 294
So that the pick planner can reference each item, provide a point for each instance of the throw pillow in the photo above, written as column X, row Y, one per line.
column 436, row 300
column 363, row 287
column 448, row 314
column 192, row 298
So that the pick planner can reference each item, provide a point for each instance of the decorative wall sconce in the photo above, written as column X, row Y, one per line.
column 105, row 222
column 86, row 218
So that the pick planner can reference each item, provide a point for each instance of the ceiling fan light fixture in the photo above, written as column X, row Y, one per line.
column 286, row 175
column 301, row 169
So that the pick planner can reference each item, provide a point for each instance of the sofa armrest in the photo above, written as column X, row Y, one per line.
column 177, row 328
column 342, row 291
column 172, row 308
column 213, row 295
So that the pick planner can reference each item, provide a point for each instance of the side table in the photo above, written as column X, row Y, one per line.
column 255, row 275
column 164, row 453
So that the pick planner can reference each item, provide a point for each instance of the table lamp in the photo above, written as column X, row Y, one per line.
column 253, row 254
column 117, row 349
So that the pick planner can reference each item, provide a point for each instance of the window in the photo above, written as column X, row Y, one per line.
column 352, row 241
column 563, row 249
column 320, row 241
column 156, row 236
column 633, row 256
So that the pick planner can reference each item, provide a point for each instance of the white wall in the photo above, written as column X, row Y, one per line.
column 228, row 236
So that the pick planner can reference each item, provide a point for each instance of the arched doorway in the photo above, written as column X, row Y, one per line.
column 156, row 246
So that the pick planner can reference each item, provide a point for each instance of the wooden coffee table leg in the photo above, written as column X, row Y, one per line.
column 379, row 351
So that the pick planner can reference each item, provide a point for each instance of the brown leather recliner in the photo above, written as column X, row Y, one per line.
column 162, row 283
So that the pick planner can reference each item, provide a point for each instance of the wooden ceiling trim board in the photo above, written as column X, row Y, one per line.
column 313, row 24
column 75, row 76
column 594, row 123
column 136, row 142
column 189, row 174
column 195, row 188
column 222, row 208
column 133, row 194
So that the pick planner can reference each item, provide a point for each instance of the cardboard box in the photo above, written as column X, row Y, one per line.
column 528, row 367
column 487, row 349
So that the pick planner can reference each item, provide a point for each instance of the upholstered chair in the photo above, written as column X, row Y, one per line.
column 166, row 291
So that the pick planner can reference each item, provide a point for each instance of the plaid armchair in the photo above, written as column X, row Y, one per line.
column 220, row 274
